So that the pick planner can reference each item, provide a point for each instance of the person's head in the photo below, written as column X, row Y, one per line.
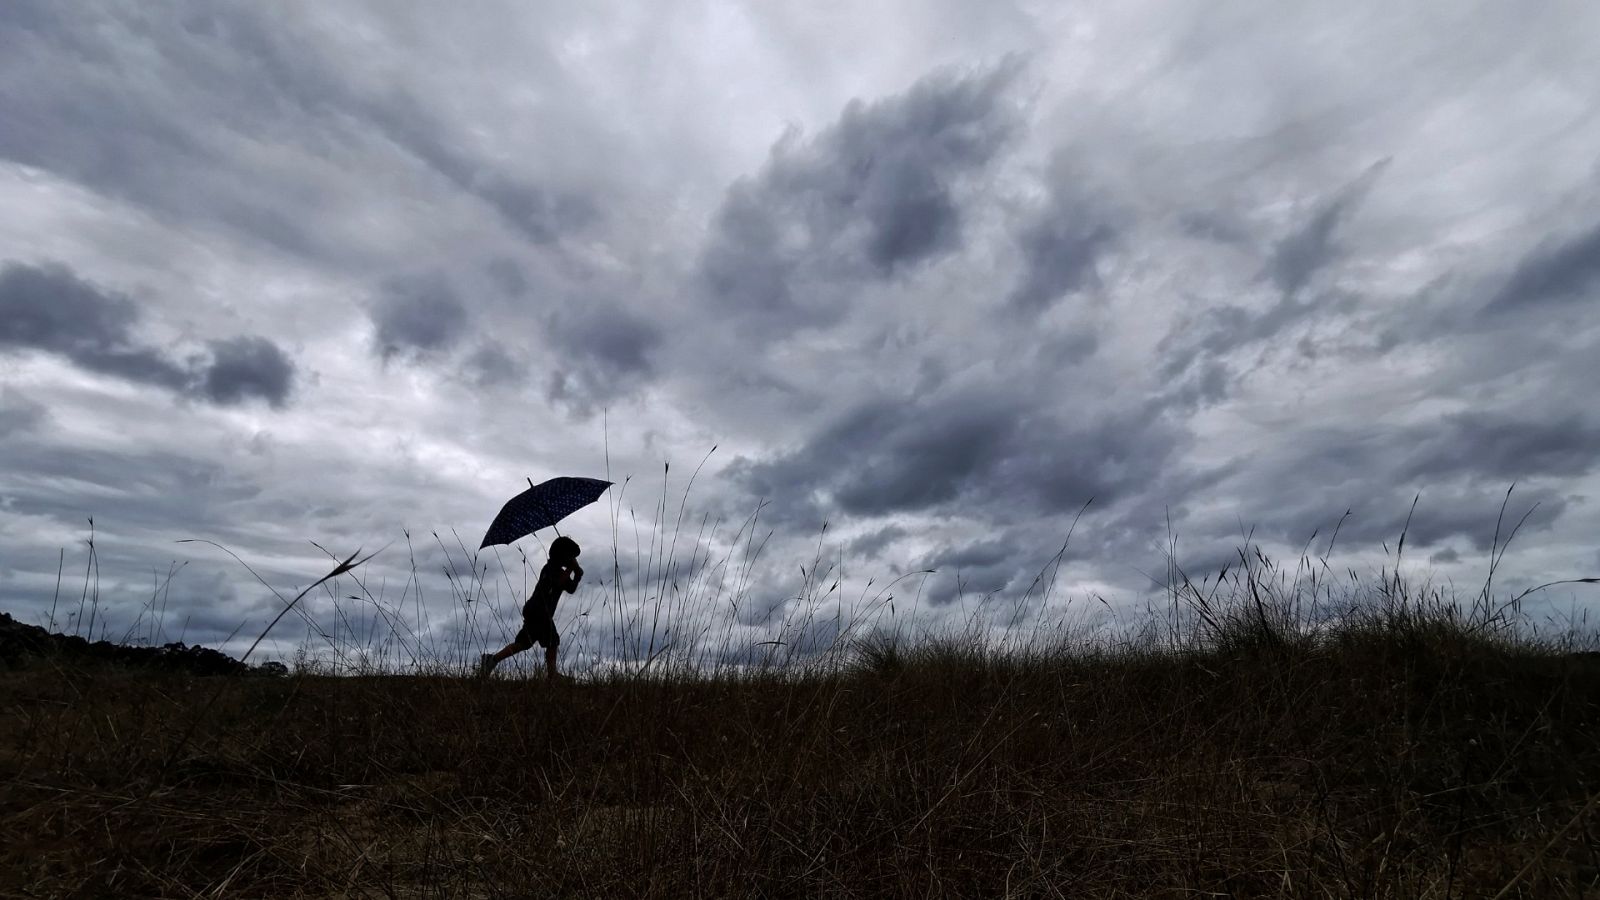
column 564, row 549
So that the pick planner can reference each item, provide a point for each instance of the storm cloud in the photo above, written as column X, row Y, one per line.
column 19, row 414
column 261, row 81
column 1205, row 350
column 418, row 316
column 870, row 196
column 1312, row 247
column 1061, row 244
column 49, row 308
column 1561, row 271
column 985, row 449
column 600, row 351
column 245, row 368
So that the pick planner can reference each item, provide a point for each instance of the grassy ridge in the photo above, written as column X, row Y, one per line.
column 1416, row 756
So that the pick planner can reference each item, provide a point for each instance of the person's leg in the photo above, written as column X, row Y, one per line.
column 544, row 632
column 488, row 661
column 510, row 650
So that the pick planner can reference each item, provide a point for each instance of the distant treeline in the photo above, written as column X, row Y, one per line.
column 23, row 645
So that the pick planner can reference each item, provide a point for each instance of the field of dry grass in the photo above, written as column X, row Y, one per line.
column 1416, row 758
column 1271, row 732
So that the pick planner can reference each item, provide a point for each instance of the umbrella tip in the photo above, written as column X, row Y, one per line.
column 530, row 481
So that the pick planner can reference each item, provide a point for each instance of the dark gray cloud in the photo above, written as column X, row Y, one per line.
column 1198, row 350
column 762, row 606
column 542, row 214
column 49, row 308
column 1214, row 225
column 251, row 78
column 1460, row 464
column 1207, row 352
column 144, row 150
column 1060, row 247
column 611, row 336
column 914, row 457
column 977, row 451
column 131, row 489
column 507, row 276
column 1355, row 520
column 418, row 315
column 982, row 568
column 873, row 542
column 1495, row 448
column 1445, row 556
column 247, row 368
column 1500, row 445
column 1313, row 246
column 599, row 352
column 872, row 195
column 491, row 364
column 1561, row 271
column 1468, row 513
column 20, row 414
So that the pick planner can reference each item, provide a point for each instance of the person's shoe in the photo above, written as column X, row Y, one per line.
column 485, row 665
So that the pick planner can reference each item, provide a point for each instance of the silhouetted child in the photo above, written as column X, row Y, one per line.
column 561, row 573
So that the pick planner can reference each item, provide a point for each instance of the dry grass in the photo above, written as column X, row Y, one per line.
column 1270, row 733
column 1436, row 761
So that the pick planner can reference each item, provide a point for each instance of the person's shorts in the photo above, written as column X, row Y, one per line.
column 540, row 630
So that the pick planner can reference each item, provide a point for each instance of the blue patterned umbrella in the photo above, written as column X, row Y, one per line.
column 541, row 506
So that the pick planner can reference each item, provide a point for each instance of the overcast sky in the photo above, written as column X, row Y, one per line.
column 933, row 273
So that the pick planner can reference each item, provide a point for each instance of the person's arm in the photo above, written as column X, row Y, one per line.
column 577, row 576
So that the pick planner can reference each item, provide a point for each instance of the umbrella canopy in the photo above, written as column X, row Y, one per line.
column 541, row 506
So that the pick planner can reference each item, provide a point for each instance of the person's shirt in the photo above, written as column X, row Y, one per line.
column 547, row 590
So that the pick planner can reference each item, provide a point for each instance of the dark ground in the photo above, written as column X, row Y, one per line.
column 1425, row 763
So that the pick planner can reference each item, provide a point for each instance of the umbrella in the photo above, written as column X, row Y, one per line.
column 541, row 506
